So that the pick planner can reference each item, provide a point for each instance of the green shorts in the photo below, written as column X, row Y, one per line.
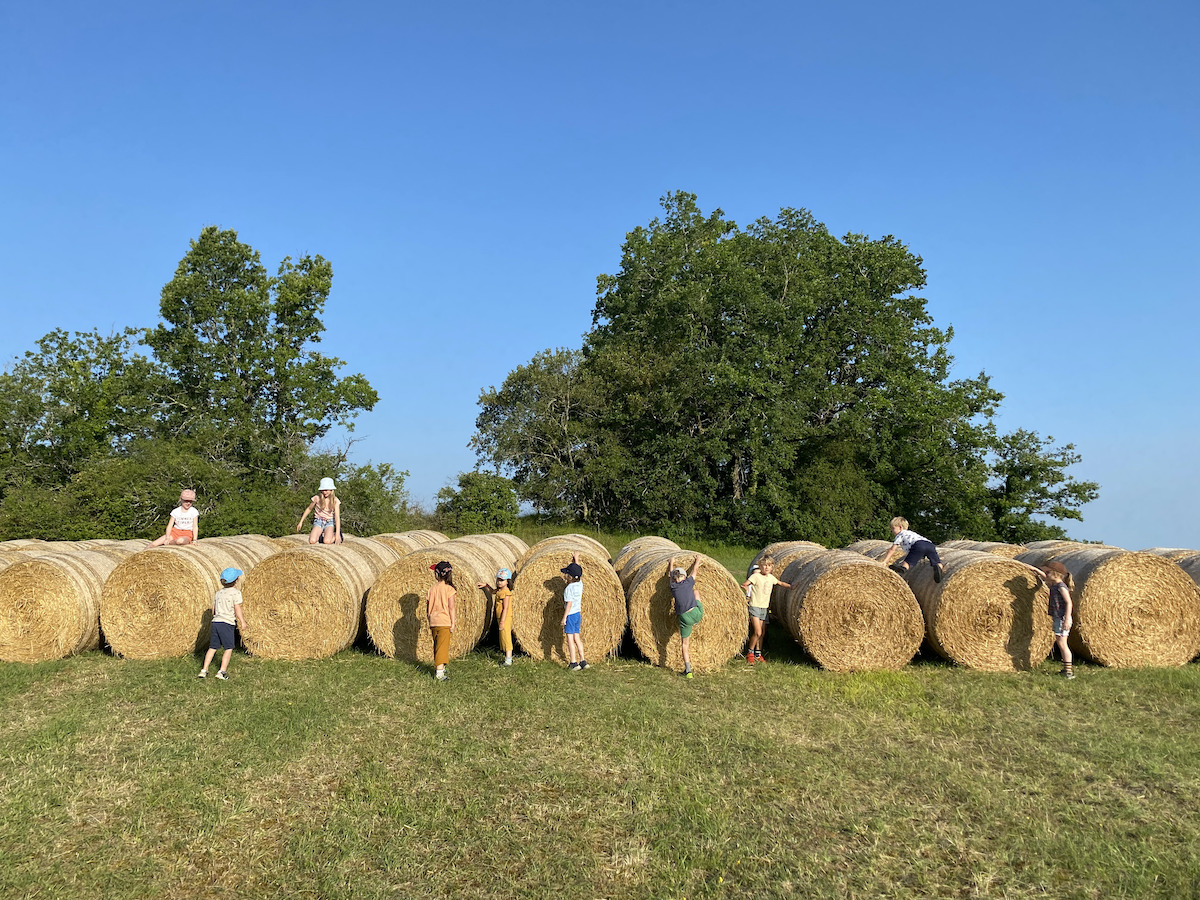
column 689, row 619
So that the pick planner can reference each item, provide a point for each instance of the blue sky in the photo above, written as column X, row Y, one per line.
column 470, row 168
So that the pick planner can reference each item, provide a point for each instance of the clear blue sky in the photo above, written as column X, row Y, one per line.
column 470, row 168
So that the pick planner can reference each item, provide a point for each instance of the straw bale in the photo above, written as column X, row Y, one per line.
column 397, row 619
column 783, row 560
column 634, row 564
column 850, row 613
column 20, row 543
column 638, row 544
column 1191, row 567
column 655, row 628
column 873, row 549
column 1173, row 553
column 778, row 548
column 376, row 554
column 996, row 548
column 408, row 541
column 431, row 538
column 1131, row 609
column 8, row 557
column 988, row 612
column 537, row 602
column 306, row 602
column 157, row 603
column 50, row 605
column 508, row 544
column 570, row 541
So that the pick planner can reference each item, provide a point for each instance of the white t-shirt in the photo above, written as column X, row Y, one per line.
column 760, row 589
column 223, row 604
column 905, row 539
column 573, row 597
column 185, row 519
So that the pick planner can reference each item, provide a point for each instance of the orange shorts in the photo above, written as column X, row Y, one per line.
column 177, row 533
column 441, row 644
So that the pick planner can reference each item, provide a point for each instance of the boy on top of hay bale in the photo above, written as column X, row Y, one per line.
column 573, row 613
column 758, row 587
column 227, row 607
column 687, row 606
column 183, row 526
column 915, row 548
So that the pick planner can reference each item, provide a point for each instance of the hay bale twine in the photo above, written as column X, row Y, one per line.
column 570, row 542
column 397, row 619
column 873, row 549
column 988, row 612
column 157, row 604
column 850, row 613
column 50, row 605
column 655, row 628
column 1131, row 609
column 537, row 602
column 306, row 602
column 637, row 545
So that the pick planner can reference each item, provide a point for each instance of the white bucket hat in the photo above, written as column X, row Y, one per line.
column 326, row 485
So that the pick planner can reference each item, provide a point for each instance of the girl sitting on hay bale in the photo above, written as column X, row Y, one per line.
column 915, row 548
column 184, row 526
column 327, row 515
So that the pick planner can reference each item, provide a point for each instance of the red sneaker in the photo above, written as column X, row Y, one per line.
column 750, row 657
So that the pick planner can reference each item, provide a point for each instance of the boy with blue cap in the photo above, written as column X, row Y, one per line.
column 227, row 608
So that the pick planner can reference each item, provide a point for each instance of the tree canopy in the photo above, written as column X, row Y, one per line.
column 768, row 382
column 232, row 400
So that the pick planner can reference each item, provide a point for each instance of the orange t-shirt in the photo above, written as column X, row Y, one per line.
column 437, row 604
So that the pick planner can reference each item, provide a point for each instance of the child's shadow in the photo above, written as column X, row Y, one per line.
column 203, row 634
column 407, row 628
column 550, row 636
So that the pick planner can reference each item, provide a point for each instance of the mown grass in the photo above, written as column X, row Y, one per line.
column 361, row 777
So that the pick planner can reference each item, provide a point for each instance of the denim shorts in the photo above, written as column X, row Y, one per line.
column 571, row 626
column 221, row 636
column 759, row 612
column 1059, row 621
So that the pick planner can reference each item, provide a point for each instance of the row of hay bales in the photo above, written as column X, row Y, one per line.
column 1131, row 609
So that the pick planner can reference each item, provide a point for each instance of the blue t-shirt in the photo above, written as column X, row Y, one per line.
column 573, row 596
column 684, row 593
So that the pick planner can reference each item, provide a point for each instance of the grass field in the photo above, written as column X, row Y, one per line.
column 361, row 777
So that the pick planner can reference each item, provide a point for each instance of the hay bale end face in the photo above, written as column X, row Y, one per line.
column 655, row 628
column 396, row 614
column 850, row 613
column 306, row 602
column 537, row 602
column 50, row 605
column 1131, row 609
column 988, row 612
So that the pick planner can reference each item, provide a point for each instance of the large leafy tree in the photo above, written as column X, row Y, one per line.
column 774, row 381
column 237, row 345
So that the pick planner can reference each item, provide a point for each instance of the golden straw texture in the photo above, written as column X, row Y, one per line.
column 1130, row 609
column 50, row 605
column 397, row 617
column 637, row 545
column 996, row 548
column 988, row 612
column 873, row 549
column 850, row 613
column 717, row 638
column 158, row 603
column 537, row 602
column 1174, row 554
column 571, row 542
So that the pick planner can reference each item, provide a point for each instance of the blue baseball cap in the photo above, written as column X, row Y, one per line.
column 504, row 573
column 230, row 575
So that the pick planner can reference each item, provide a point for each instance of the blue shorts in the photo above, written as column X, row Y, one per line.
column 1058, row 623
column 221, row 636
column 571, row 626
column 759, row 612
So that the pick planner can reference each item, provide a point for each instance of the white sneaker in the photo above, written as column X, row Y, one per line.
column 441, row 676
column 507, row 661
column 221, row 676
column 203, row 673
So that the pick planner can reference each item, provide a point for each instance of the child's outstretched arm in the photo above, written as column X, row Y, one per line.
column 304, row 515
column 486, row 588
column 337, row 520
column 695, row 567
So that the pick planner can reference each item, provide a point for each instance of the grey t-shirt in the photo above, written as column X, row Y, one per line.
column 223, row 604
column 684, row 593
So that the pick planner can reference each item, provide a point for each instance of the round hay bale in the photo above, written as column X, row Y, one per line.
column 1130, row 609
column 50, row 605
column 634, row 564
column 1191, row 567
column 306, row 602
column 431, row 538
column 20, row 543
column 996, row 548
column 516, row 546
column 377, row 555
column 988, row 612
column 655, row 628
column 783, row 561
column 1174, row 554
column 570, row 542
column 397, row 619
column 157, row 604
column 637, row 545
column 405, row 541
column 850, row 613
column 776, row 549
column 873, row 549
column 537, row 602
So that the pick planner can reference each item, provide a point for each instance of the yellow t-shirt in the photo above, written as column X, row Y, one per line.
column 500, row 596
column 760, row 589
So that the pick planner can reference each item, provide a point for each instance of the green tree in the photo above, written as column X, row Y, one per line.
column 236, row 344
column 481, row 503
column 1029, row 479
